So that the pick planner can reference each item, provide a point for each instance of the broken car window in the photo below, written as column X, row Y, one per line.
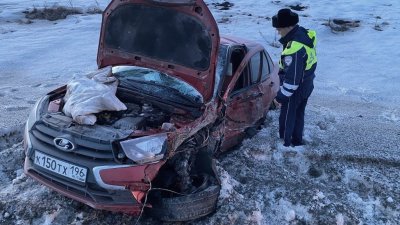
column 158, row 83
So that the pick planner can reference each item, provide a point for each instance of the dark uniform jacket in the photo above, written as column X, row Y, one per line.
column 298, row 61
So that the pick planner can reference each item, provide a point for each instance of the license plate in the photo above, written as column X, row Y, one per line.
column 60, row 167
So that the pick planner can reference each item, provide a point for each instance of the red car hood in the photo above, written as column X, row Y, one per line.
column 176, row 37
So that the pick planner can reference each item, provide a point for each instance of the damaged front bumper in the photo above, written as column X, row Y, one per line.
column 118, row 188
column 133, row 208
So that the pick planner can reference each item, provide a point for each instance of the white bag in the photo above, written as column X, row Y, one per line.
column 91, row 94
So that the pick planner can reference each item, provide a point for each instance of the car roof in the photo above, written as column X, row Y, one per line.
column 231, row 41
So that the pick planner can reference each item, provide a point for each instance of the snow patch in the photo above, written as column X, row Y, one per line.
column 227, row 185
column 391, row 115
column 49, row 218
column 20, row 178
column 257, row 218
column 6, row 215
column 319, row 195
column 78, row 219
column 370, row 207
column 289, row 212
column 352, row 176
column 290, row 215
column 339, row 219
column 259, row 147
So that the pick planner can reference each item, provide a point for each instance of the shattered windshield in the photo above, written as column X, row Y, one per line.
column 158, row 83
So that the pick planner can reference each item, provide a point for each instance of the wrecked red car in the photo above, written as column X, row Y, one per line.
column 190, row 94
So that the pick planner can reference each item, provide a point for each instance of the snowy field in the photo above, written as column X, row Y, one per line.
column 348, row 173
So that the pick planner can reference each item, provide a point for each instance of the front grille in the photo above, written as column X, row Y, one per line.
column 91, row 149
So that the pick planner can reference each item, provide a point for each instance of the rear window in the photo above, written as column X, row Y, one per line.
column 159, row 33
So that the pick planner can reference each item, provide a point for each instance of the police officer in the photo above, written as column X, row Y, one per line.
column 297, row 66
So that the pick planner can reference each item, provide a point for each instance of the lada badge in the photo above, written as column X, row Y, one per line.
column 64, row 144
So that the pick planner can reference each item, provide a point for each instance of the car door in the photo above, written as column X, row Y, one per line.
column 243, row 100
column 269, row 82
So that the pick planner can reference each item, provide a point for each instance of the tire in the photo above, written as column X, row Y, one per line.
column 188, row 207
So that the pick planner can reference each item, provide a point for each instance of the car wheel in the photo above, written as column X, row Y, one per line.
column 200, row 202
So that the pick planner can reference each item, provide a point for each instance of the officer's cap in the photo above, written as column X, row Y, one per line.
column 285, row 18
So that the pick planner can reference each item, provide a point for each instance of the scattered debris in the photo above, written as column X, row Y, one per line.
column 341, row 25
column 346, row 22
column 379, row 26
column 5, row 31
column 94, row 10
column 224, row 6
column 51, row 14
column 276, row 2
column 24, row 21
column 224, row 20
column 298, row 7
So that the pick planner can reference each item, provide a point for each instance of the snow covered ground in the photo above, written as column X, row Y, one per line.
column 348, row 173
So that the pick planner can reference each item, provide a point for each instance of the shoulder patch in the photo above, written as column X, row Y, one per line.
column 288, row 60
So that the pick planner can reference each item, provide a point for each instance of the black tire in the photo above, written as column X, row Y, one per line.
column 187, row 207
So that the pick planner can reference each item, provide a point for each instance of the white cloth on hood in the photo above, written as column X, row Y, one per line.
column 92, row 94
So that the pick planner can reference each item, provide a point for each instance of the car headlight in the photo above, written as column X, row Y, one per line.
column 145, row 149
column 33, row 117
column 35, row 113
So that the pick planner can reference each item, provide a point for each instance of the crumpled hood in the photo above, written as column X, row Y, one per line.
column 180, row 39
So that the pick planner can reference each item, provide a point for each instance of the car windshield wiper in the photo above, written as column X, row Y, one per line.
column 175, row 91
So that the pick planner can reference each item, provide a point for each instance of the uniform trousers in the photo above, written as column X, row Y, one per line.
column 291, row 118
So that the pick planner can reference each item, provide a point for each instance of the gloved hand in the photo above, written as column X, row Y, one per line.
column 277, row 104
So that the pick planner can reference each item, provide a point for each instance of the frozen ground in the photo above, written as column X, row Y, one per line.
column 348, row 173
